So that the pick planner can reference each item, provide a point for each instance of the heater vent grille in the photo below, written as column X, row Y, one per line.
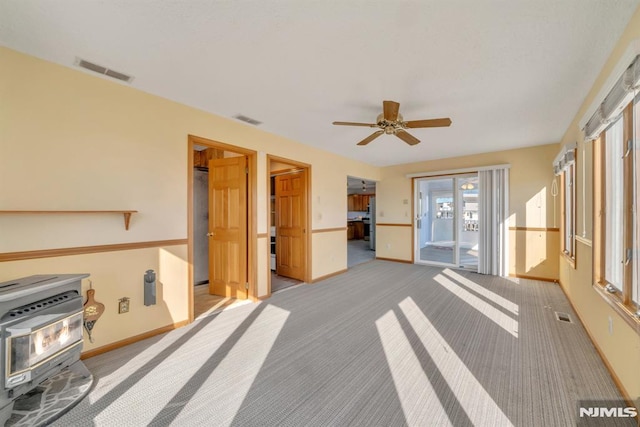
column 43, row 304
column 103, row 70
column 563, row 317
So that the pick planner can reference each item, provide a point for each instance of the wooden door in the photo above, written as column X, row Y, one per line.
column 291, row 225
column 228, row 227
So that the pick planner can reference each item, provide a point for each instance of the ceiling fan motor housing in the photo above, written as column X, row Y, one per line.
column 390, row 127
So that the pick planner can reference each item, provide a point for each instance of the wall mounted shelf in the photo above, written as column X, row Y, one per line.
column 126, row 214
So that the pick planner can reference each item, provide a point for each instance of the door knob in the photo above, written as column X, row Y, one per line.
column 211, row 234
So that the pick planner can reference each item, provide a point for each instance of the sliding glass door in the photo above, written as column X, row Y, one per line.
column 446, row 222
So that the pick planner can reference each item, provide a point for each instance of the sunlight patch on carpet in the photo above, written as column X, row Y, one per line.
column 472, row 396
column 418, row 399
column 490, row 312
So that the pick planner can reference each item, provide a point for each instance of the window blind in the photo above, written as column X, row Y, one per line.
column 565, row 158
column 620, row 95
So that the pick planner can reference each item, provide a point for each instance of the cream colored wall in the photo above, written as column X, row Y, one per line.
column 263, row 203
column 330, row 253
column 264, row 254
column 393, row 242
column 70, row 141
column 330, row 211
column 621, row 348
column 533, row 252
column 115, row 275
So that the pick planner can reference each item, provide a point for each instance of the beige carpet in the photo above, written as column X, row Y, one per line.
column 384, row 344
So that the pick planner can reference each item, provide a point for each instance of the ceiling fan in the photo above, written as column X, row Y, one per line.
column 392, row 123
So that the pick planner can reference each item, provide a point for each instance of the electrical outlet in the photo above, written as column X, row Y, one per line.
column 123, row 305
column 388, row 245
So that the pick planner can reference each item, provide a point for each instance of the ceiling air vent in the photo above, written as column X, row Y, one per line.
column 247, row 119
column 103, row 70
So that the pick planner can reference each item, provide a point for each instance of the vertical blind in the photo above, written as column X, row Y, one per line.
column 494, row 217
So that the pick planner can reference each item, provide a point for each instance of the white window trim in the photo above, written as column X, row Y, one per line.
column 456, row 171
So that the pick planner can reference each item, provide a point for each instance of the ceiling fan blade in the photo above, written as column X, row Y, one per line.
column 407, row 137
column 431, row 123
column 370, row 125
column 390, row 110
column 371, row 137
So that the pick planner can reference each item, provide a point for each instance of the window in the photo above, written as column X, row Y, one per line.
column 635, row 288
column 614, row 128
column 613, row 210
column 565, row 167
column 568, row 179
column 616, row 226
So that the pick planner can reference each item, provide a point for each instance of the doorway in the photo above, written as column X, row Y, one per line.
column 447, row 221
column 221, row 230
column 361, row 221
column 289, row 187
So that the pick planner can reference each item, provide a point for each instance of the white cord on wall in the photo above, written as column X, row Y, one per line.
column 554, row 193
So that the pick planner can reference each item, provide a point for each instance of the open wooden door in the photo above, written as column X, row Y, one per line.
column 291, row 224
column 228, row 227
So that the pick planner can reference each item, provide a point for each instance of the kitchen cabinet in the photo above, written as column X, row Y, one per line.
column 353, row 202
column 358, row 202
column 355, row 230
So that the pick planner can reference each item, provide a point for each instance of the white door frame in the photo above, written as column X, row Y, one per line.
column 458, row 219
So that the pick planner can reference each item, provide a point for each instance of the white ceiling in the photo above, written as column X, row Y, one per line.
column 509, row 73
